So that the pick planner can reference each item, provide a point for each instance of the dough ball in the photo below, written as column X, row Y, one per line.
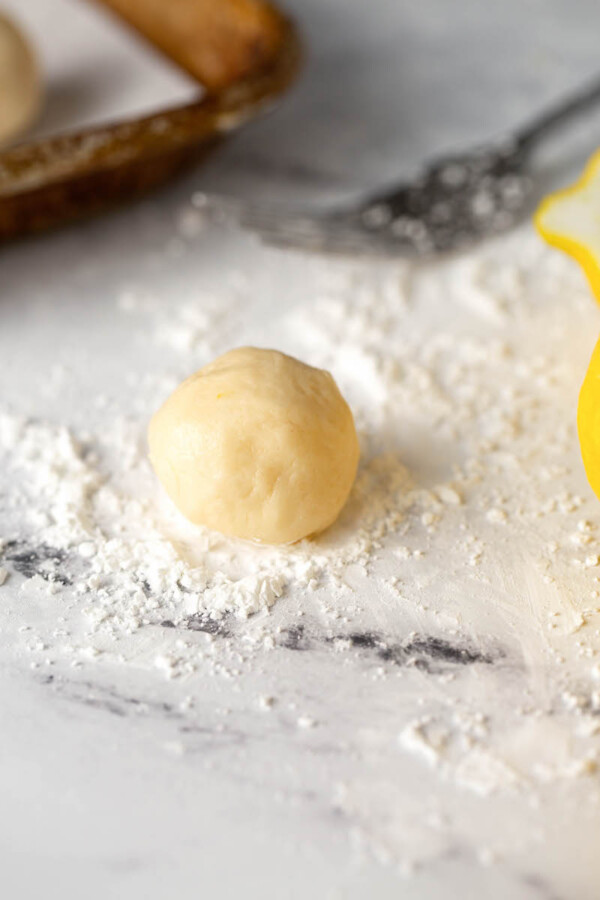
column 20, row 85
column 257, row 445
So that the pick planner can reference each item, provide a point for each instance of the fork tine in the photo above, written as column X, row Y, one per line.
column 258, row 217
column 264, row 218
column 337, row 233
column 290, row 233
column 334, row 234
column 354, row 244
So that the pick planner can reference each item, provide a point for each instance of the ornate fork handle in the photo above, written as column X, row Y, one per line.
column 527, row 137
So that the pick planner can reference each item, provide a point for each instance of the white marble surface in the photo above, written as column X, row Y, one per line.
column 108, row 786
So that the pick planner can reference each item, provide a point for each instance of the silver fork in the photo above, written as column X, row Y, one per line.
column 456, row 201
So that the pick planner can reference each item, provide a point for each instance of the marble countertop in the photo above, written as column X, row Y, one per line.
column 382, row 748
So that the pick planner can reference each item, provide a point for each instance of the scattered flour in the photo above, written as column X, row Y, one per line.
column 454, row 426
column 470, row 536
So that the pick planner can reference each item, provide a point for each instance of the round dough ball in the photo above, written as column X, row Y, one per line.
column 257, row 445
column 20, row 84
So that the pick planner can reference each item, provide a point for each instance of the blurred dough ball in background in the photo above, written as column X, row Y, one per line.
column 20, row 82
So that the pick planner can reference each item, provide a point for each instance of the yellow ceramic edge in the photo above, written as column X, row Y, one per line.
column 586, row 406
column 586, row 259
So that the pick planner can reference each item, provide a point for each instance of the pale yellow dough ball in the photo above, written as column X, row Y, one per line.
column 20, row 83
column 257, row 445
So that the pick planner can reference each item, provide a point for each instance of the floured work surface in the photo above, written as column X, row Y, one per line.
column 425, row 676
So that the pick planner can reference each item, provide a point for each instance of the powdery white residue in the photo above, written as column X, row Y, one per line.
column 465, row 563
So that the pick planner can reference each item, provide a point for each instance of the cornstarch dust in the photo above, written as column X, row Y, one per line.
column 466, row 565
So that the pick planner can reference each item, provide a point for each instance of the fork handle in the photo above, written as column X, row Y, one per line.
column 555, row 116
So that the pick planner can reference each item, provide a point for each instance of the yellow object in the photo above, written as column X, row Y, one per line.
column 570, row 220
column 588, row 421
